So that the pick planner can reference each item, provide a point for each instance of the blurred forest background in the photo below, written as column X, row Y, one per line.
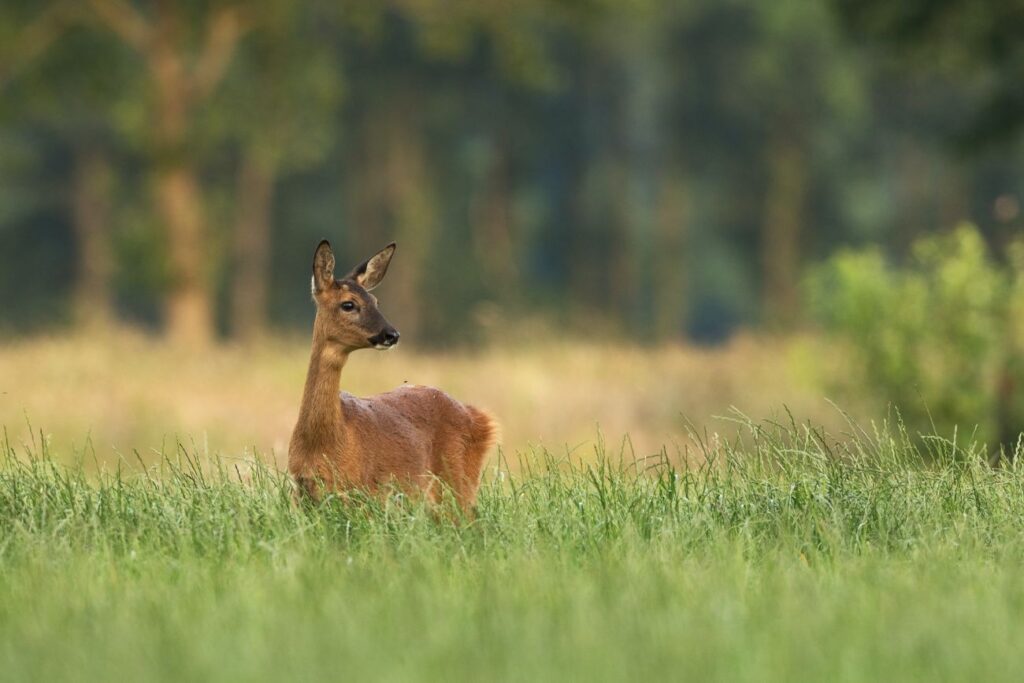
column 646, row 171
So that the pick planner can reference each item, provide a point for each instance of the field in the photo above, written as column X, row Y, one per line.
column 757, row 550
column 129, row 393
column 786, row 557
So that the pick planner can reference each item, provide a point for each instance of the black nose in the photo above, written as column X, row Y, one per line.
column 386, row 338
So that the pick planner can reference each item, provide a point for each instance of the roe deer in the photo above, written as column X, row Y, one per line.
column 413, row 436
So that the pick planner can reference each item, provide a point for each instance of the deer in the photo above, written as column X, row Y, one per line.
column 417, row 438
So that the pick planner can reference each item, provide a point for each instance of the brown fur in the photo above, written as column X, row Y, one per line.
column 416, row 437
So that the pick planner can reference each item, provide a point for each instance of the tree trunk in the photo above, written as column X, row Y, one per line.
column 783, row 220
column 393, row 201
column 189, row 303
column 645, row 163
column 90, row 207
column 671, row 275
column 1008, row 427
column 912, row 195
column 492, row 221
column 179, row 77
column 251, row 249
column 413, row 212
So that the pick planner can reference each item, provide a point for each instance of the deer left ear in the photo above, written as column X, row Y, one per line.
column 370, row 272
column 323, row 267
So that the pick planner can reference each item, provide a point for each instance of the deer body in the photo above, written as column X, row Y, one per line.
column 415, row 437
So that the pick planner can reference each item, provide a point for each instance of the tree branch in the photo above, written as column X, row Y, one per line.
column 35, row 38
column 124, row 20
column 224, row 30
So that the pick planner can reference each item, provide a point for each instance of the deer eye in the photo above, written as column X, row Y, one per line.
column 348, row 306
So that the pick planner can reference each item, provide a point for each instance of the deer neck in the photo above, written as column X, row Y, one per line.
column 320, row 416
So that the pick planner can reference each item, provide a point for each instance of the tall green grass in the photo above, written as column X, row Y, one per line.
column 789, row 555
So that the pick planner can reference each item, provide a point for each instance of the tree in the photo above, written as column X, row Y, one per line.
column 963, row 39
column 71, row 87
column 979, row 40
column 180, row 78
column 803, row 88
column 277, row 109
column 409, row 58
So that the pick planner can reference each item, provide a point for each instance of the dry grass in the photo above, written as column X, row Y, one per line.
column 131, row 392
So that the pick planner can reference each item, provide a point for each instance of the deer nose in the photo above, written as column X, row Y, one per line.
column 385, row 339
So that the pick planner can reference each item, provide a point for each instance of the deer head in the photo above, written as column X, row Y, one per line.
column 347, row 316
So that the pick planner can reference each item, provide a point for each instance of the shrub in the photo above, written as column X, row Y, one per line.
column 941, row 338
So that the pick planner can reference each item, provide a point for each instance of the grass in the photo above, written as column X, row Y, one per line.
column 788, row 556
column 132, row 392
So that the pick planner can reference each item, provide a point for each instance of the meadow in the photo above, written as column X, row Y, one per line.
column 748, row 549
column 131, row 396
column 787, row 556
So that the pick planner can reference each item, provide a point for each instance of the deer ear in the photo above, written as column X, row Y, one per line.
column 370, row 272
column 323, row 267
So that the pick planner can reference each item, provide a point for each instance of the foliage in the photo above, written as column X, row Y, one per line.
column 725, row 572
column 938, row 338
column 663, row 170
column 972, row 40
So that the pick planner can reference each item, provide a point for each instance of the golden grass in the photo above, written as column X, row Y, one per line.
column 132, row 392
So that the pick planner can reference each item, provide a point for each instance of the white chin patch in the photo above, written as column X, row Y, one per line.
column 383, row 347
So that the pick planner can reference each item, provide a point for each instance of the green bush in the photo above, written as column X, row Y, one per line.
column 940, row 338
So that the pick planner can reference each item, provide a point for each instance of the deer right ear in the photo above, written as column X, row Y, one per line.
column 323, row 267
column 370, row 272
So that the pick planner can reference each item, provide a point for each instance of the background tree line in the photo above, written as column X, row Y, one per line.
column 657, row 169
